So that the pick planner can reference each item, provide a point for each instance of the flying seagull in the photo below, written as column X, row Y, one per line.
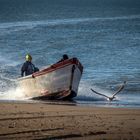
column 114, row 94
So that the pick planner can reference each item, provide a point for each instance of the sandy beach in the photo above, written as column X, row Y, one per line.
column 46, row 121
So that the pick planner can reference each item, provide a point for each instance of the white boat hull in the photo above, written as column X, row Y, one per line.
column 59, row 81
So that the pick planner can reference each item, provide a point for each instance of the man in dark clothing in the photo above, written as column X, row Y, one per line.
column 65, row 57
column 28, row 68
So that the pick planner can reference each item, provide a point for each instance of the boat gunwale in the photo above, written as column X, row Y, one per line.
column 58, row 66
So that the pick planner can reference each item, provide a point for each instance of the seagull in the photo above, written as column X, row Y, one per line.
column 114, row 94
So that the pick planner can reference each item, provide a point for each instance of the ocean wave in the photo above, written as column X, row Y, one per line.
column 32, row 24
column 6, row 60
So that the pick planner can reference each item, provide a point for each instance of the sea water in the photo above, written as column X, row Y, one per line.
column 103, row 34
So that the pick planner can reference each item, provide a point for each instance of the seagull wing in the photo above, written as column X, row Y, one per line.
column 120, row 89
column 99, row 93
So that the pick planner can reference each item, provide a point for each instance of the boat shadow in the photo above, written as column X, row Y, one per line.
column 52, row 101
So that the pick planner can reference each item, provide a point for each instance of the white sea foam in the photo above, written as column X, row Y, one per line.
column 13, row 94
column 86, row 94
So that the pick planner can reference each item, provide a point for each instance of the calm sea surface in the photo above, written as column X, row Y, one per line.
column 103, row 34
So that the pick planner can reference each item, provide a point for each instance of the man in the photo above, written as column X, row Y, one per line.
column 65, row 57
column 28, row 68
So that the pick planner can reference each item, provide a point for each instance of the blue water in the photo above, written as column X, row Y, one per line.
column 103, row 34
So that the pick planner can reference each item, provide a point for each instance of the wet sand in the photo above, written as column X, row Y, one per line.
column 45, row 121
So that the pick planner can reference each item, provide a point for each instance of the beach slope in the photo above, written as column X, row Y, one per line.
column 48, row 121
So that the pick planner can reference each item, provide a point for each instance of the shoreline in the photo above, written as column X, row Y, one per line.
column 93, row 104
column 52, row 121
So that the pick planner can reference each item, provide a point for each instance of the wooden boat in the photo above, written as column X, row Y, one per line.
column 58, row 81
